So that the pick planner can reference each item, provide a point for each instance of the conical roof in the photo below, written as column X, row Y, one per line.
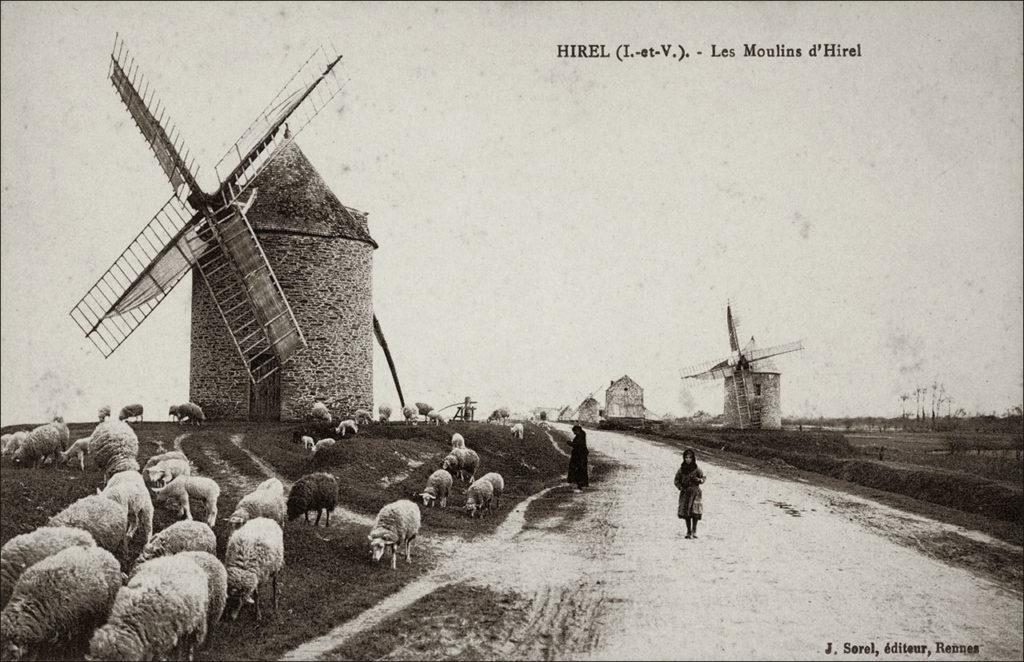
column 292, row 197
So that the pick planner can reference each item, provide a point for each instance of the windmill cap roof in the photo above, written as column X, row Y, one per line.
column 761, row 365
column 293, row 198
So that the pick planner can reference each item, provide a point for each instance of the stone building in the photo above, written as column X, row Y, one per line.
column 589, row 411
column 322, row 254
column 624, row 399
column 764, row 384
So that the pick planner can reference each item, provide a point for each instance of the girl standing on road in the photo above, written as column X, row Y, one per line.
column 578, row 459
column 688, row 480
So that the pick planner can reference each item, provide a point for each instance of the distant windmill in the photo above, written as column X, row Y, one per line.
column 752, row 382
column 212, row 233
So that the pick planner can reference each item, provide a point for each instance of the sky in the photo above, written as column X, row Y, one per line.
column 547, row 225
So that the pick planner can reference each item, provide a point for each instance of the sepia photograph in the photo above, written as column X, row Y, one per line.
column 511, row 330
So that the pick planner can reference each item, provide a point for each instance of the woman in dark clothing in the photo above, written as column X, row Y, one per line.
column 578, row 459
column 691, row 503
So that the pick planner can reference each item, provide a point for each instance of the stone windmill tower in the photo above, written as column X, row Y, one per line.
column 753, row 383
column 281, row 310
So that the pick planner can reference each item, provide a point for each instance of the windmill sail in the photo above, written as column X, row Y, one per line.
column 305, row 94
column 717, row 369
column 767, row 352
column 166, row 145
column 139, row 279
column 387, row 355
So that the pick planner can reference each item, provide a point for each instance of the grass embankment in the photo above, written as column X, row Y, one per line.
column 329, row 577
column 831, row 454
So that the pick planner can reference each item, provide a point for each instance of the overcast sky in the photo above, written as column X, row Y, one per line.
column 547, row 225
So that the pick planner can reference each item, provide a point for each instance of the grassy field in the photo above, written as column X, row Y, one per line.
column 328, row 576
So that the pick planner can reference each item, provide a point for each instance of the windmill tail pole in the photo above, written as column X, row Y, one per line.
column 387, row 354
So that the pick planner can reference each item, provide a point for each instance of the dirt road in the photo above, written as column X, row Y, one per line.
column 780, row 569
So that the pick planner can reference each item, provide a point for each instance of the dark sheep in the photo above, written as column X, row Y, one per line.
column 317, row 492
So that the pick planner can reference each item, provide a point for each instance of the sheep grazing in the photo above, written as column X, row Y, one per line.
column 396, row 523
column 10, row 443
column 410, row 414
column 385, row 413
column 255, row 553
column 517, row 431
column 216, row 586
column 104, row 518
column 464, row 461
column 308, row 443
column 498, row 483
column 479, row 496
column 58, row 601
column 114, row 447
column 348, row 425
column 172, row 412
column 435, row 417
column 160, row 612
column 129, row 489
column 179, row 493
column 320, row 412
column 439, row 486
column 191, row 412
column 45, row 442
column 130, row 411
column 317, row 492
column 422, row 408
column 184, row 536
column 324, row 444
column 458, row 441
column 103, row 413
column 79, row 449
column 169, row 455
column 267, row 500
column 167, row 470
column 362, row 417
column 21, row 552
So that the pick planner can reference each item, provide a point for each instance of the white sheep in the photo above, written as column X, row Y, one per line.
column 43, row 443
column 130, row 411
column 216, row 586
column 161, row 611
column 103, row 413
column 410, row 414
column 79, row 449
column 320, row 412
column 348, row 425
column 517, row 431
column 254, row 554
column 104, row 518
column 464, row 461
column 362, row 417
column 397, row 522
column 313, row 492
column 435, row 417
column 184, row 536
column 307, row 442
column 479, row 496
column 172, row 412
column 27, row 549
column 458, row 441
column 59, row 600
column 385, row 413
column 422, row 408
column 439, row 486
column 10, row 443
column 114, row 447
column 267, row 500
column 128, row 488
column 324, row 444
column 169, row 455
column 179, row 493
column 498, row 483
column 191, row 412
column 167, row 470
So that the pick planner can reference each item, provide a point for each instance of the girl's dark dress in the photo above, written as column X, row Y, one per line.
column 578, row 460
column 691, row 501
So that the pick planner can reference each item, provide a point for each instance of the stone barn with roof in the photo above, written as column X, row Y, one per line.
column 589, row 411
column 624, row 401
column 322, row 254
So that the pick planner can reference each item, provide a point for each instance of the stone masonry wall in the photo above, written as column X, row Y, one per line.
column 770, row 400
column 328, row 283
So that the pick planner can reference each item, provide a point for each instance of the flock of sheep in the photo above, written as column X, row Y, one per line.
column 62, row 582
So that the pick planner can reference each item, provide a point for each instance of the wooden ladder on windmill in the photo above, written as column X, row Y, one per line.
column 246, row 292
column 739, row 389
